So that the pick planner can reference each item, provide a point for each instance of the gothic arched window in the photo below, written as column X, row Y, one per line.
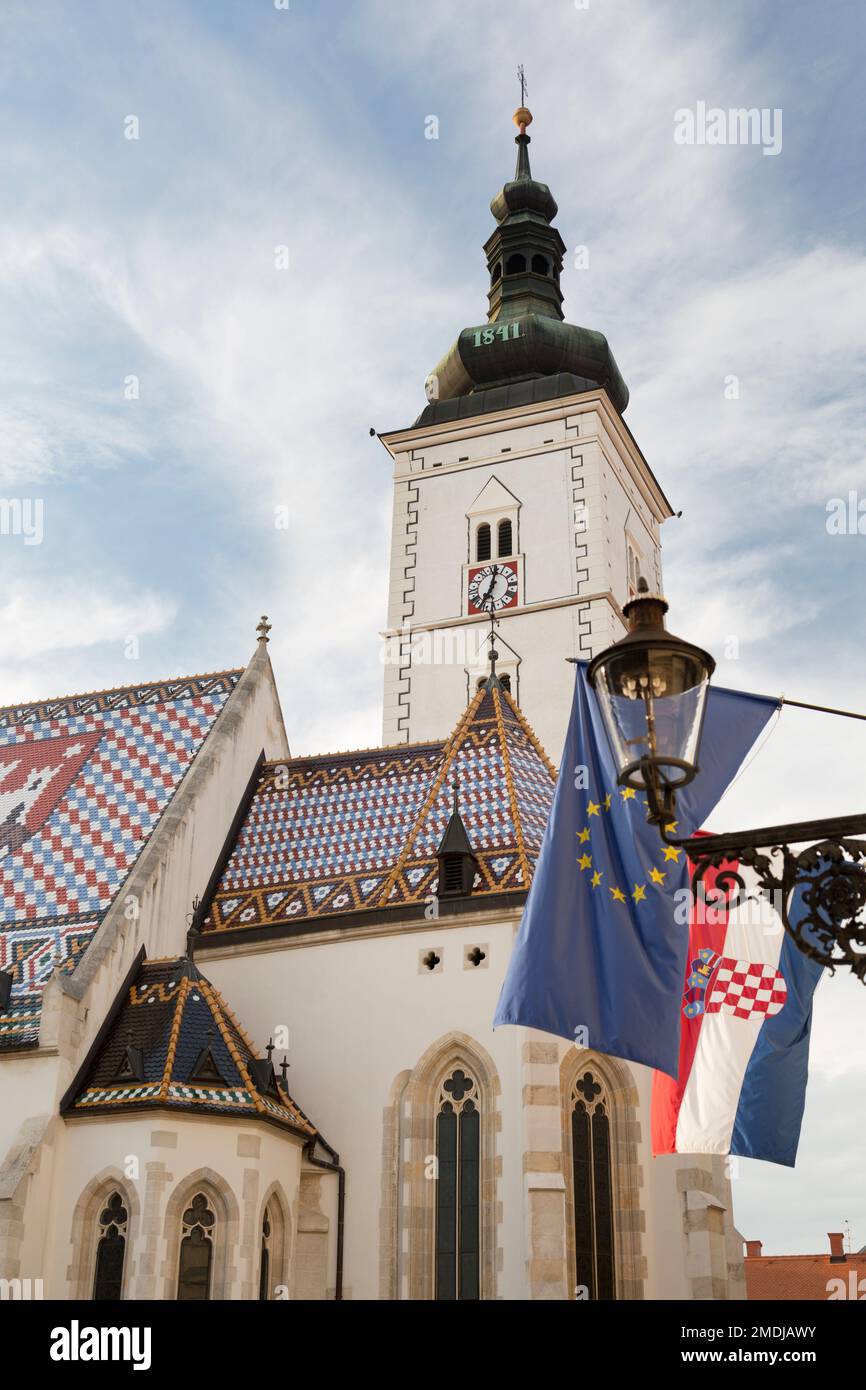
column 458, row 1156
column 505, row 538
column 265, row 1266
column 539, row 265
column 196, row 1251
column 482, row 542
column 593, row 1187
column 110, row 1250
column 515, row 265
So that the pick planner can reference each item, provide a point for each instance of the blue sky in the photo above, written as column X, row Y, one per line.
column 260, row 128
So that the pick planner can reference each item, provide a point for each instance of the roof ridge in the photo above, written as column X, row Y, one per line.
column 448, row 752
column 352, row 752
column 120, row 689
column 509, row 782
column 171, row 1051
column 214, row 1003
column 530, row 732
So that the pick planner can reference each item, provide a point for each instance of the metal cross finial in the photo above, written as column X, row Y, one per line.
column 523, row 87
column 263, row 628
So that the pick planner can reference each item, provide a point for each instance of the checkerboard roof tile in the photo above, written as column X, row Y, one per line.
column 83, row 781
column 173, row 1043
column 328, row 835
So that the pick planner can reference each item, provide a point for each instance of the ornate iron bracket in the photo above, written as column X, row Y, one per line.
column 828, row 877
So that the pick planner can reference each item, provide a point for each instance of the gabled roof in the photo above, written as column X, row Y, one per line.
column 174, row 1044
column 83, row 781
column 331, row 835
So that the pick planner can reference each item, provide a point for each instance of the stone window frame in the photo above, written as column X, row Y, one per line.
column 276, row 1203
column 407, row 1215
column 629, row 1220
column 85, row 1233
column 227, row 1250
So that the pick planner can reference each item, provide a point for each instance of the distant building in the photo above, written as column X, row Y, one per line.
column 806, row 1278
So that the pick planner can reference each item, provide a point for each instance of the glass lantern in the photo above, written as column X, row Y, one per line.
column 652, row 691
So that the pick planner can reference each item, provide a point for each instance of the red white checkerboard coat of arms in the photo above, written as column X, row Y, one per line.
column 34, row 775
column 720, row 984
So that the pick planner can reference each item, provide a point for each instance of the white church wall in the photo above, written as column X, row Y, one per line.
column 158, row 1161
column 360, row 1010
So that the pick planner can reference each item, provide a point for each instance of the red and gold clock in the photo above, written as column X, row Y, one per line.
column 492, row 586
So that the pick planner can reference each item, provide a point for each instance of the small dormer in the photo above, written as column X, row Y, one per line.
column 457, row 863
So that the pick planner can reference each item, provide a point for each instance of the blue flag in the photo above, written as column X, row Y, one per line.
column 600, row 957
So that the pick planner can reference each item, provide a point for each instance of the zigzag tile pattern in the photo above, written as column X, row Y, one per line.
column 326, row 836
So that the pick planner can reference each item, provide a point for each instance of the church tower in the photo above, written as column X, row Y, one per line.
column 519, row 489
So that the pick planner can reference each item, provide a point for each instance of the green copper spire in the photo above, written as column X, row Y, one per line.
column 526, row 351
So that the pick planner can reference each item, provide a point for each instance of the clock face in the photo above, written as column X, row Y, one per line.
column 492, row 587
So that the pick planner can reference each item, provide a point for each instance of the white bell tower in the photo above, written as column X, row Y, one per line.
column 564, row 488
column 520, row 488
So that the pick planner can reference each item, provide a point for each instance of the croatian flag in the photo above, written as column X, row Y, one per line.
column 744, row 1045
column 602, row 945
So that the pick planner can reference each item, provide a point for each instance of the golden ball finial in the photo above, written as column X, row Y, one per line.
column 522, row 118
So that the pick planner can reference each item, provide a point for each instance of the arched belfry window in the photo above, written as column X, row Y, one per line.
column 196, row 1251
column 593, row 1186
column 515, row 265
column 110, row 1250
column 458, row 1155
column 482, row 542
column 539, row 265
column 504, row 538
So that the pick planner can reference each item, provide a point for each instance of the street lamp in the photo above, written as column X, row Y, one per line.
column 652, row 689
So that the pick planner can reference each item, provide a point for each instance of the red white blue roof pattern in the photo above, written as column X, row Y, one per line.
column 83, row 782
column 334, row 834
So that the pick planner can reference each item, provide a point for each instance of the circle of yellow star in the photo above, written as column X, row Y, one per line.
column 597, row 877
column 592, row 809
column 618, row 895
column 585, row 861
column 627, row 793
column 657, row 876
column 639, row 892
column 607, row 802
column 583, row 835
column 671, row 852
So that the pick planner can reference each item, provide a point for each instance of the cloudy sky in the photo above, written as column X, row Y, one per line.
column 166, row 384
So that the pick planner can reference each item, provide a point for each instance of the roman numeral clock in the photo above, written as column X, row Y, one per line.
column 492, row 587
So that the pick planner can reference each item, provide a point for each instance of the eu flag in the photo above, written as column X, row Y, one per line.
column 601, row 951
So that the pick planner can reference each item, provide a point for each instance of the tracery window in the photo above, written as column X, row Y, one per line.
column 110, row 1250
column 593, row 1187
column 196, row 1251
column 265, row 1267
column 458, row 1154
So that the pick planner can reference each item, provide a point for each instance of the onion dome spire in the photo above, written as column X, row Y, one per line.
column 526, row 351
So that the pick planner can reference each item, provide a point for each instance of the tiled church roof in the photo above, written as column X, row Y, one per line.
column 329, row 835
column 83, row 781
column 174, row 1043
